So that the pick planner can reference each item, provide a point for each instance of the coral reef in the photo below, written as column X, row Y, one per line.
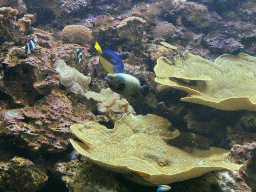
column 109, row 101
column 43, row 94
column 245, row 153
column 82, row 175
column 131, row 28
column 9, row 29
column 45, row 124
column 20, row 174
column 76, row 34
column 73, row 5
column 140, row 148
column 225, row 84
column 228, row 39
column 72, row 78
column 164, row 30
column 15, row 4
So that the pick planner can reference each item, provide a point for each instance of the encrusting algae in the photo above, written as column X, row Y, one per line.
column 137, row 147
column 229, row 83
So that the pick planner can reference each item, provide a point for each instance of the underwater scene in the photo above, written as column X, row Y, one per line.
column 128, row 96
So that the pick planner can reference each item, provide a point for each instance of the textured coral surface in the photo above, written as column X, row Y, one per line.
column 37, row 108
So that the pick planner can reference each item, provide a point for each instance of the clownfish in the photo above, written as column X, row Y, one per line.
column 126, row 84
column 110, row 60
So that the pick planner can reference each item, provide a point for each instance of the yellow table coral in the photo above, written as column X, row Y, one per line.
column 229, row 83
column 137, row 148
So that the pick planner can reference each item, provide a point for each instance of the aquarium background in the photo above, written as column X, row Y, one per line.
column 198, row 59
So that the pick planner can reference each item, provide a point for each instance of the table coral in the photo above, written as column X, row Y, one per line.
column 227, row 84
column 76, row 34
column 136, row 147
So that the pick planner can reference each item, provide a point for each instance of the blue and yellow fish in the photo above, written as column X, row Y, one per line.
column 110, row 60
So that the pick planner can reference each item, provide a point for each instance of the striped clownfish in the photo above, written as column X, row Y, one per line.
column 110, row 60
column 79, row 55
column 30, row 46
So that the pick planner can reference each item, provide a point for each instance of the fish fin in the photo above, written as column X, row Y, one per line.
column 35, row 39
column 113, row 54
column 118, row 70
column 98, row 48
column 121, row 86
column 145, row 90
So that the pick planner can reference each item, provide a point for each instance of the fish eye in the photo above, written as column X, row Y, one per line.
column 111, row 78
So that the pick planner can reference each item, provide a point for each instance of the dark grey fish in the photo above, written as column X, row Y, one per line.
column 126, row 84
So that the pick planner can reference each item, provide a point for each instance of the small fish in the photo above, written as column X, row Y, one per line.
column 110, row 60
column 126, row 84
column 30, row 46
column 163, row 188
column 79, row 55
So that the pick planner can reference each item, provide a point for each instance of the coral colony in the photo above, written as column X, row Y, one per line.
column 124, row 96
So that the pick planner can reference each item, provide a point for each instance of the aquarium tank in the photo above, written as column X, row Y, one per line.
column 127, row 96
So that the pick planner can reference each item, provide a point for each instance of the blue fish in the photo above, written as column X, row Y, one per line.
column 30, row 46
column 163, row 188
column 110, row 60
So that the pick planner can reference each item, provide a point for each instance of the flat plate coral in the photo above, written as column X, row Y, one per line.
column 229, row 83
column 136, row 147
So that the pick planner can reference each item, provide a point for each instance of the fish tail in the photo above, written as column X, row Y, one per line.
column 98, row 48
